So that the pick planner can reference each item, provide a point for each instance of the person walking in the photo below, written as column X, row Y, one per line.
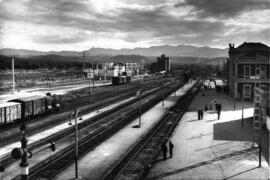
column 171, row 146
column 199, row 114
column 164, row 151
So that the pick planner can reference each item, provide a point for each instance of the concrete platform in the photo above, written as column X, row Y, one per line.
column 96, row 163
column 211, row 148
column 44, row 152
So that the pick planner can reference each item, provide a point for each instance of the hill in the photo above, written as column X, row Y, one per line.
column 180, row 50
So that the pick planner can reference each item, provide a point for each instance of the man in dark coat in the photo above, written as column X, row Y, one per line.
column 171, row 146
column 201, row 114
column 206, row 108
column 218, row 108
column 164, row 151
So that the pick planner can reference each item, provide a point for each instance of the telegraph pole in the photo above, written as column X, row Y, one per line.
column 105, row 71
column 13, row 75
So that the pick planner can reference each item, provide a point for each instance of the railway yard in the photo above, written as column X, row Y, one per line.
column 117, row 132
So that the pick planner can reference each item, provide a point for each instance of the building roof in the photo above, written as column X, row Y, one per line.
column 250, row 49
column 31, row 98
column 253, row 45
column 249, row 54
column 7, row 104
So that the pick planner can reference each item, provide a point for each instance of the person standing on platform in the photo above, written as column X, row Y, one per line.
column 218, row 108
column 206, row 108
column 164, row 151
column 171, row 146
column 201, row 114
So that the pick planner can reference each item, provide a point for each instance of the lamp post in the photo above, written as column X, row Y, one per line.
column 242, row 122
column 22, row 153
column 76, row 112
column 139, row 93
column 162, row 100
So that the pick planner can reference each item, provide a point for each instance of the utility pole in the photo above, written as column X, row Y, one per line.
column 138, row 95
column 105, row 71
column 242, row 122
column 76, row 112
column 89, row 75
column 76, row 143
column 13, row 75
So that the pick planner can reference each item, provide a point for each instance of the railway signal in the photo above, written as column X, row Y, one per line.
column 2, row 169
column 23, row 154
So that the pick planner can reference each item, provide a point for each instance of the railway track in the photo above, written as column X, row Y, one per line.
column 94, row 133
column 140, row 158
column 147, row 88
column 103, row 98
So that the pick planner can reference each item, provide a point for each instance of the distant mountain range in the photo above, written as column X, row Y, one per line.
column 153, row 51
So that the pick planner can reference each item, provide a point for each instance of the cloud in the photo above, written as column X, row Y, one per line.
column 224, row 8
column 59, row 39
column 82, row 24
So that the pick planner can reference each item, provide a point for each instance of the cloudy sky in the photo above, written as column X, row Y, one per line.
column 82, row 24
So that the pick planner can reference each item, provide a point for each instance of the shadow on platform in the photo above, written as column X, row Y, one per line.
column 236, row 153
column 233, row 131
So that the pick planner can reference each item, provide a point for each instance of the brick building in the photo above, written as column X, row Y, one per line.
column 249, row 67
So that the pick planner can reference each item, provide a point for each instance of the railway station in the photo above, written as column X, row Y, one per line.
column 134, row 90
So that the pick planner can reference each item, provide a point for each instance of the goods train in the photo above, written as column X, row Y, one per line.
column 121, row 80
column 22, row 109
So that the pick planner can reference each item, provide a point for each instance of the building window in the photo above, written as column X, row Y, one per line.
column 263, row 72
column 247, row 71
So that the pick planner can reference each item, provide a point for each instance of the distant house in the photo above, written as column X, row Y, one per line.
column 249, row 67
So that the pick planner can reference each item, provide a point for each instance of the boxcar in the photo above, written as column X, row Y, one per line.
column 10, row 112
column 115, row 80
column 128, row 79
column 121, row 80
column 31, row 106
column 124, row 79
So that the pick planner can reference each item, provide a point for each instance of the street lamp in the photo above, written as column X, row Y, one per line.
column 76, row 139
column 22, row 153
column 242, row 122
column 163, row 100
column 139, row 94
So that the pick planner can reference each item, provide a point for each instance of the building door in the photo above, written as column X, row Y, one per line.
column 247, row 91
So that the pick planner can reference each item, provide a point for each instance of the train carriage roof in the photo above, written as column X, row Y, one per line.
column 8, row 104
column 26, row 99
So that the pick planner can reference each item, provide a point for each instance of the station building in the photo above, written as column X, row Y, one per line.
column 262, row 100
column 248, row 67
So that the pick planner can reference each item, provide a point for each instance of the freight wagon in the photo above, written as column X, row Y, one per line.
column 118, row 80
column 22, row 109
column 9, row 112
